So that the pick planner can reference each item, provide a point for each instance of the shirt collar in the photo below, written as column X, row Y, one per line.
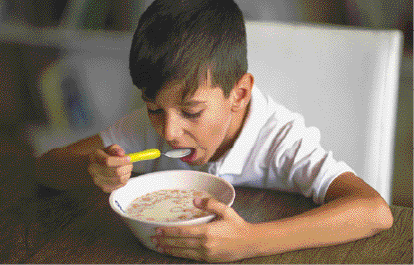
column 235, row 158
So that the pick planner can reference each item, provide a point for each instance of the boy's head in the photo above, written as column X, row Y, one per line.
column 189, row 59
column 182, row 40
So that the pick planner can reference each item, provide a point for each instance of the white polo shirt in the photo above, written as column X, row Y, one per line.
column 274, row 150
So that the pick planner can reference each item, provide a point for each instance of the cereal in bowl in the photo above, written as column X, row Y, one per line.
column 168, row 205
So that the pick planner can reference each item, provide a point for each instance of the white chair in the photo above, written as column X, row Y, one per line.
column 344, row 81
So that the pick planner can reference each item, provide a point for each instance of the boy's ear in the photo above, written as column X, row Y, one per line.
column 242, row 92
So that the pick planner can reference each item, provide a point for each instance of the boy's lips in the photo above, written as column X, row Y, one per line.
column 191, row 157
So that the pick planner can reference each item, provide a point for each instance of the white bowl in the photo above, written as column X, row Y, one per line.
column 119, row 199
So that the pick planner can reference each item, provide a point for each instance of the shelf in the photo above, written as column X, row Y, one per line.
column 66, row 39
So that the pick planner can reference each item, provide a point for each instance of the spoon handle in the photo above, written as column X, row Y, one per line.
column 145, row 155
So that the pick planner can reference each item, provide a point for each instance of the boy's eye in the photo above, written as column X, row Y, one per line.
column 191, row 115
column 185, row 114
column 153, row 112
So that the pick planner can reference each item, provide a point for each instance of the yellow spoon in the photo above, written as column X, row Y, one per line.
column 155, row 153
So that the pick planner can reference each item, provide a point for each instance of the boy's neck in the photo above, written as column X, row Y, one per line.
column 228, row 144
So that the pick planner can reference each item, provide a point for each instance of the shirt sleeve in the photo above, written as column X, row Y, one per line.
column 298, row 161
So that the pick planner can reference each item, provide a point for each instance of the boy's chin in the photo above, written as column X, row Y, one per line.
column 196, row 163
column 199, row 163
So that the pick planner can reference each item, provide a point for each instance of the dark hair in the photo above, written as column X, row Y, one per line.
column 181, row 40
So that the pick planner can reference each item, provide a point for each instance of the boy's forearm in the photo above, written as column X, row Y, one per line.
column 340, row 221
column 62, row 169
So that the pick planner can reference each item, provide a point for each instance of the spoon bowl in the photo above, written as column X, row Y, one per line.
column 178, row 153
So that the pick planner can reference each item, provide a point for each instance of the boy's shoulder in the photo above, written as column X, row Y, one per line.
column 264, row 107
column 267, row 120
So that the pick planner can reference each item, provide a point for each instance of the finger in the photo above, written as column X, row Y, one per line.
column 124, row 179
column 104, row 159
column 96, row 170
column 112, row 181
column 111, row 188
column 116, row 172
column 122, row 171
column 115, row 150
column 213, row 206
column 182, row 242
column 116, row 161
column 188, row 253
column 181, row 231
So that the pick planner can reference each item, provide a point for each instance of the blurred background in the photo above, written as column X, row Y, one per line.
column 53, row 51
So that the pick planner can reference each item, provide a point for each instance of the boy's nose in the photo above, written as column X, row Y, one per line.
column 172, row 128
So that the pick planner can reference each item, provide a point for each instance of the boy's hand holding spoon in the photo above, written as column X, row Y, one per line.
column 111, row 168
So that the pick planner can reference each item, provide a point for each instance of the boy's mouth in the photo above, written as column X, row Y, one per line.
column 191, row 157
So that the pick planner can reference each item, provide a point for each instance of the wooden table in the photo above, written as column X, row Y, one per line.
column 38, row 225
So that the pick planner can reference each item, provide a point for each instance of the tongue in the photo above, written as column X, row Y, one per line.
column 190, row 156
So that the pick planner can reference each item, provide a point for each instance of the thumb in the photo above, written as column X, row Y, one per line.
column 114, row 150
column 213, row 206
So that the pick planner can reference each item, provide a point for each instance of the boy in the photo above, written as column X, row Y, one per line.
column 189, row 59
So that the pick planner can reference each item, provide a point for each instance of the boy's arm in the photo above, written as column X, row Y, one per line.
column 352, row 210
column 66, row 167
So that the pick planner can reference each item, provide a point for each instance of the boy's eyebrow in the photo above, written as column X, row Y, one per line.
column 189, row 103
column 185, row 103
